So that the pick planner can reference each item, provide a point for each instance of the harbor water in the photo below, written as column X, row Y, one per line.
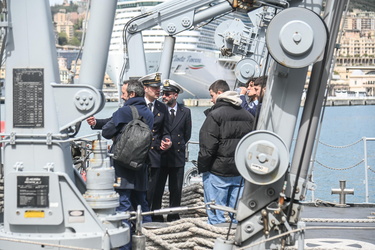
column 340, row 152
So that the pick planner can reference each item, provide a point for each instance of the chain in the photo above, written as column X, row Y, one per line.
column 345, row 146
column 321, row 164
column 372, row 170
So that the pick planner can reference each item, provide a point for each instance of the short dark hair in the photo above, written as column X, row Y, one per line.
column 219, row 85
column 135, row 86
column 261, row 81
column 251, row 79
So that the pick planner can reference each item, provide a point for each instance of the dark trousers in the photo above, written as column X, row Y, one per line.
column 153, row 178
column 129, row 200
column 175, row 177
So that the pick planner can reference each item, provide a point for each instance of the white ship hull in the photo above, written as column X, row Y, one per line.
column 196, row 63
column 194, row 71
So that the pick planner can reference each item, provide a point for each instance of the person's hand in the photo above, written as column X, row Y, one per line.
column 165, row 144
column 91, row 121
column 243, row 90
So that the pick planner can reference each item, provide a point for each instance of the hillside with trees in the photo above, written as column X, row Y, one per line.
column 365, row 5
column 62, row 37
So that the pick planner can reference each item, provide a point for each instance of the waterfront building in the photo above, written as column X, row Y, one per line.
column 357, row 45
column 355, row 63
column 64, row 24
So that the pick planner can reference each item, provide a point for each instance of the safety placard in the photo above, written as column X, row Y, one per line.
column 28, row 98
column 32, row 191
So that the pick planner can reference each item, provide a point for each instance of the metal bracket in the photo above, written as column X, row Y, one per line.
column 49, row 139
column 12, row 138
column 18, row 166
column 49, row 166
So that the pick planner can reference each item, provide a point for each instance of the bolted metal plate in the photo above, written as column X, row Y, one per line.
column 262, row 157
column 245, row 69
column 228, row 32
column 84, row 100
column 296, row 37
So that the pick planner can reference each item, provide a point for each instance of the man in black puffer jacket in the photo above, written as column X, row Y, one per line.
column 226, row 123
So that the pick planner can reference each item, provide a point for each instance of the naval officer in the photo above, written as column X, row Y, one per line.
column 161, row 139
column 173, row 160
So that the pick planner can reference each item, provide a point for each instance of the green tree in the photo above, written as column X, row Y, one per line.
column 71, row 8
column 63, row 38
column 78, row 34
column 78, row 25
column 74, row 41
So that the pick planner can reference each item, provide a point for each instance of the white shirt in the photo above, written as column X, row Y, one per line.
column 175, row 109
column 153, row 104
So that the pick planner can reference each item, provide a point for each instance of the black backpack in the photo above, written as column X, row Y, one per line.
column 131, row 147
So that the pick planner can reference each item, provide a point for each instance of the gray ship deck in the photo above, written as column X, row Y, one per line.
column 356, row 227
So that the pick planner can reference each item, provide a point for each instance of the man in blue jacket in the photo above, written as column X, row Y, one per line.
column 133, row 185
column 255, row 91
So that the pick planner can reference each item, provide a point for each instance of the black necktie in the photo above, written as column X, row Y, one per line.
column 172, row 116
column 150, row 106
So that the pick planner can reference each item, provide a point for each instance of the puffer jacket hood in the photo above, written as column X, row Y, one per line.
column 225, row 125
column 231, row 97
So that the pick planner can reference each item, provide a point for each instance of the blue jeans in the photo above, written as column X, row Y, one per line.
column 129, row 200
column 224, row 191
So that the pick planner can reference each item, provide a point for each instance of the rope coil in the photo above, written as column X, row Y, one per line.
column 186, row 233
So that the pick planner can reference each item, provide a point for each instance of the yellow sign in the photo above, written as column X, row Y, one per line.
column 34, row 214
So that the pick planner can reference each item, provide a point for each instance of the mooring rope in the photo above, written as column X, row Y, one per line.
column 190, row 232
column 187, row 233
column 195, row 233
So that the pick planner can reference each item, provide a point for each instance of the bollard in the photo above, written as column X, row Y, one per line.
column 342, row 192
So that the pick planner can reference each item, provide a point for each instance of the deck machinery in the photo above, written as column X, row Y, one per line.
column 46, row 202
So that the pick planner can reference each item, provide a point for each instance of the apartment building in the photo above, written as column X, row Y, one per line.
column 355, row 63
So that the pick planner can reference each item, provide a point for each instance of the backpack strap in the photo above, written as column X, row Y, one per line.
column 134, row 112
column 135, row 115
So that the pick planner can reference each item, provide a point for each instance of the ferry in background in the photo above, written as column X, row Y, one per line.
column 197, row 62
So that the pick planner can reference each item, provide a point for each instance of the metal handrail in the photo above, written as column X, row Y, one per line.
column 365, row 139
column 365, row 160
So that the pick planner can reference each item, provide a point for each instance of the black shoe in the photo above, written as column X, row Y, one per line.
column 173, row 217
column 157, row 218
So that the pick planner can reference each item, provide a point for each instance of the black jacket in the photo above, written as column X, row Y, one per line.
column 226, row 123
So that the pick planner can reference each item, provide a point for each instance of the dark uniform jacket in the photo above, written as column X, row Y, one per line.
column 159, row 132
column 226, row 123
column 180, row 131
column 111, row 127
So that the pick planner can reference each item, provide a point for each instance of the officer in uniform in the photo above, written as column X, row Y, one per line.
column 161, row 139
column 173, row 160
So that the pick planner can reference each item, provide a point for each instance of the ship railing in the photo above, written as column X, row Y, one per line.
column 367, row 160
column 367, row 167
